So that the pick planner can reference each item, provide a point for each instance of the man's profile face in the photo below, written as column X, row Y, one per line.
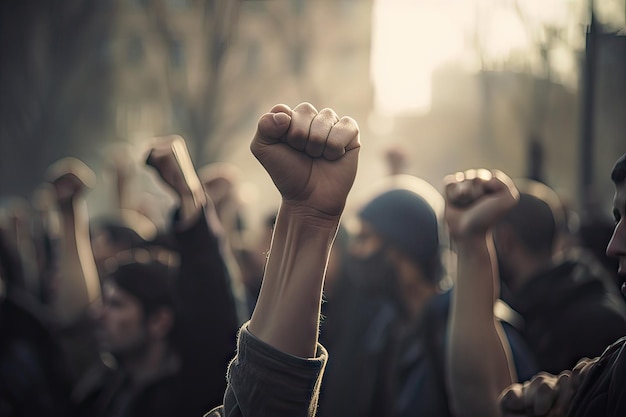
column 122, row 330
column 617, row 245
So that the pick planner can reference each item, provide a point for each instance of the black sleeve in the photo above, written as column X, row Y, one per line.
column 602, row 391
column 263, row 381
column 208, row 323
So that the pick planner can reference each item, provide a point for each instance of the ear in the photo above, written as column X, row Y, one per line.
column 160, row 323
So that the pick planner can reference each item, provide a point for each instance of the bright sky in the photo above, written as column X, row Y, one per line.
column 412, row 38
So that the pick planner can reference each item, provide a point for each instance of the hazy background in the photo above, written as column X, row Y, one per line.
column 533, row 87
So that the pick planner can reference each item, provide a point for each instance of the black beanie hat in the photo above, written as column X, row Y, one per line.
column 409, row 223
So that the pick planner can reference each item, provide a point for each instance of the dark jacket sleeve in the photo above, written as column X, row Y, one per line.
column 263, row 381
column 208, row 320
column 603, row 392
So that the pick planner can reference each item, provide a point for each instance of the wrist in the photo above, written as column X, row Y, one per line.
column 309, row 216
column 68, row 207
column 190, row 208
column 469, row 242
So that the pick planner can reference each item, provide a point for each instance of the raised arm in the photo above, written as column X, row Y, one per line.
column 312, row 159
column 207, row 308
column 77, row 285
column 478, row 359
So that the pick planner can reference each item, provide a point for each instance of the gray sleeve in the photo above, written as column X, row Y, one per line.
column 263, row 381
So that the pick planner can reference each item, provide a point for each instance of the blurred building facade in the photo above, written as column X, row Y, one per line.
column 208, row 70
column 289, row 52
column 486, row 120
column 527, row 126
column 178, row 62
column 81, row 76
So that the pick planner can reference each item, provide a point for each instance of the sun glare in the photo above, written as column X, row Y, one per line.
column 411, row 39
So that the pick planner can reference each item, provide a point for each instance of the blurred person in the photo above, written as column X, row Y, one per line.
column 388, row 347
column 34, row 374
column 46, row 230
column 397, row 160
column 312, row 158
column 394, row 271
column 113, row 234
column 252, row 258
column 336, row 262
column 336, row 287
column 75, row 286
column 221, row 182
column 171, row 333
column 17, row 223
column 594, row 235
column 569, row 306
column 594, row 387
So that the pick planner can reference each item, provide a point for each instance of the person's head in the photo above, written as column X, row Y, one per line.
column 527, row 235
column 398, row 242
column 139, row 308
column 112, row 235
column 617, row 245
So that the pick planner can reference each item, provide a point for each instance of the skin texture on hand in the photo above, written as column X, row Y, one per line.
column 312, row 159
column 302, row 149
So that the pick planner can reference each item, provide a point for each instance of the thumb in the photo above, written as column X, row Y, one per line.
column 272, row 126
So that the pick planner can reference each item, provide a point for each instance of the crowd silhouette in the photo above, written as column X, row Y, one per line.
column 123, row 315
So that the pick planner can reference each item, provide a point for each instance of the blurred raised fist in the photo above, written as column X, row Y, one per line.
column 475, row 200
column 70, row 177
column 171, row 160
column 545, row 395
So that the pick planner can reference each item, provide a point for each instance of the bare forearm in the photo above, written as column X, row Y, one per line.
column 287, row 313
column 78, row 284
column 475, row 383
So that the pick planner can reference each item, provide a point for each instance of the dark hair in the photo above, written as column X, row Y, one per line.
column 152, row 283
column 618, row 175
column 533, row 221
column 119, row 234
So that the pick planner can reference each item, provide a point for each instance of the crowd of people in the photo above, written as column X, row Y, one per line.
column 121, row 317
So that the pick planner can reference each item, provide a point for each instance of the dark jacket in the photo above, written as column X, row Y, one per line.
column 204, row 341
column 34, row 373
column 603, row 392
column 379, row 367
column 570, row 311
column 263, row 381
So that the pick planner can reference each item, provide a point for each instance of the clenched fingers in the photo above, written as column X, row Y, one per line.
column 319, row 132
